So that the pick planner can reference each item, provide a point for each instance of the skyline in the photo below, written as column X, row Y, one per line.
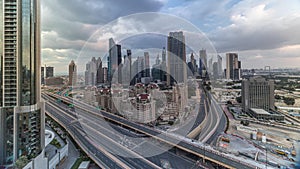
column 263, row 28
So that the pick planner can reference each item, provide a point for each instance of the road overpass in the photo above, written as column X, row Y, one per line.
column 97, row 153
column 182, row 144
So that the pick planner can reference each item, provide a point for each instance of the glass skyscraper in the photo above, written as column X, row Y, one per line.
column 21, row 110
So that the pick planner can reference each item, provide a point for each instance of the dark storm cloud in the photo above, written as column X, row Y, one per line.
column 100, row 12
column 145, row 41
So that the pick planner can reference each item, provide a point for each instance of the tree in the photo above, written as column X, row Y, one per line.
column 277, row 97
column 239, row 99
column 289, row 101
column 21, row 162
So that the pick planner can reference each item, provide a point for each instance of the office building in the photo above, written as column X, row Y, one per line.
column 49, row 71
column 192, row 66
column 90, row 72
column 127, row 69
column 114, row 60
column 147, row 64
column 202, row 63
column 210, row 66
column 233, row 66
column 257, row 92
column 216, row 74
column 104, row 69
column 42, row 75
column 176, row 58
column 99, row 73
column 22, row 126
column 72, row 73
column 220, row 67
column 156, row 72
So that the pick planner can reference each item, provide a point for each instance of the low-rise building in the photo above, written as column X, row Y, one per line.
column 261, row 114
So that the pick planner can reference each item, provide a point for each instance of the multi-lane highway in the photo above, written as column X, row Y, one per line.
column 98, row 129
column 184, row 145
column 104, row 157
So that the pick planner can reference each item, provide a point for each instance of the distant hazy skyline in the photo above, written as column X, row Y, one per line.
column 263, row 32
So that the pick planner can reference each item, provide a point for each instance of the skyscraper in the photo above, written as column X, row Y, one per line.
column 147, row 64
column 49, row 71
column 126, row 69
column 22, row 116
column 42, row 75
column 114, row 59
column 100, row 74
column 220, row 69
column 215, row 71
column 192, row 65
column 233, row 66
column 202, row 62
column 90, row 72
column 176, row 58
column 72, row 73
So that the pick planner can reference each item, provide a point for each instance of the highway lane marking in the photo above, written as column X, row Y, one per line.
column 106, row 153
column 137, row 155
column 168, row 142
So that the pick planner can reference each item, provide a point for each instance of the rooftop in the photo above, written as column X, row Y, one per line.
column 260, row 111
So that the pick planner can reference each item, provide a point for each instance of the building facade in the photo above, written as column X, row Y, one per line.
column 257, row 92
column 114, row 60
column 49, row 71
column 72, row 73
column 176, row 58
column 233, row 66
column 22, row 116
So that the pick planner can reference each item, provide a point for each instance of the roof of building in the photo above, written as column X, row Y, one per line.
column 259, row 111
column 84, row 165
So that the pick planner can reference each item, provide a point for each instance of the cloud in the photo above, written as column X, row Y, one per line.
column 259, row 25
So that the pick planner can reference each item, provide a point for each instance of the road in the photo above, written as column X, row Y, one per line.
column 215, row 123
column 182, row 144
column 98, row 129
column 79, row 130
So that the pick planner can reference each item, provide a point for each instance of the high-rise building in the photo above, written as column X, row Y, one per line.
column 233, row 66
column 156, row 72
column 176, row 58
column 90, row 72
column 127, row 69
column 257, row 92
column 114, row 60
column 99, row 74
column 202, row 62
column 147, row 64
column 49, row 71
column 192, row 66
column 42, row 75
column 72, row 73
column 104, row 74
column 215, row 71
column 22, row 125
column 220, row 69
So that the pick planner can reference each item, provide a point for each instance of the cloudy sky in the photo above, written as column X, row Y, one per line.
column 263, row 32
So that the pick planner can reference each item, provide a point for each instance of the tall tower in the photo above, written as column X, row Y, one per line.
column 22, row 124
column 114, row 59
column 202, row 63
column 233, row 66
column 147, row 64
column 72, row 73
column 220, row 69
column 176, row 58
